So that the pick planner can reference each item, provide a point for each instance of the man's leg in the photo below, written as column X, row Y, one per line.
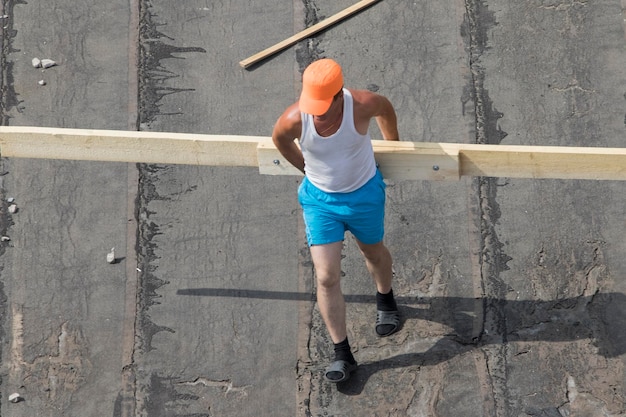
column 379, row 264
column 327, row 262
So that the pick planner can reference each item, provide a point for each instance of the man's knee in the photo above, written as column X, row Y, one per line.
column 375, row 253
column 327, row 263
column 327, row 279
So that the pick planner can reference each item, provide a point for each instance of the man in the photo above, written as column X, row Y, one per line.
column 342, row 190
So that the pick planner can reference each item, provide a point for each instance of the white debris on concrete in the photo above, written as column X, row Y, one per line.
column 43, row 63
column 47, row 63
column 12, row 208
column 15, row 397
column 42, row 82
column 111, row 256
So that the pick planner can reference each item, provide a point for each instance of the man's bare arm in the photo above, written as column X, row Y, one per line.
column 287, row 129
column 387, row 120
column 374, row 105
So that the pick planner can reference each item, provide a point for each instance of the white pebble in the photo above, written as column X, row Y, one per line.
column 36, row 62
column 47, row 63
column 15, row 398
column 10, row 200
column 42, row 82
column 12, row 208
column 111, row 256
column 4, row 239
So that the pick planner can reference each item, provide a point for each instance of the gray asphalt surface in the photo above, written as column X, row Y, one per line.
column 512, row 291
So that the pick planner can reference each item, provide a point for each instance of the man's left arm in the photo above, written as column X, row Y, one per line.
column 386, row 119
column 371, row 105
column 380, row 108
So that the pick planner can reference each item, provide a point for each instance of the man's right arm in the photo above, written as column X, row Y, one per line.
column 287, row 129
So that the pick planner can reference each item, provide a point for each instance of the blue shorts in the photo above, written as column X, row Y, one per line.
column 327, row 216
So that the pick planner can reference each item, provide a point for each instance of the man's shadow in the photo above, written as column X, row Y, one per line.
column 600, row 317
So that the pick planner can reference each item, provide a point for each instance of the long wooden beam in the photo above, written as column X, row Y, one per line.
column 128, row 146
column 398, row 160
column 450, row 161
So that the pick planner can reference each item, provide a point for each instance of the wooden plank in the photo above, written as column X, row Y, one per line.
column 128, row 146
column 310, row 31
column 542, row 162
column 272, row 162
column 416, row 161
column 398, row 160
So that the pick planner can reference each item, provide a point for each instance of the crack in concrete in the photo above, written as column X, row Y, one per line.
column 59, row 370
column 225, row 384
column 573, row 86
column 165, row 399
column 565, row 6
column 582, row 403
column 305, row 334
column 493, row 260
column 9, row 98
column 308, row 51
column 153, row 76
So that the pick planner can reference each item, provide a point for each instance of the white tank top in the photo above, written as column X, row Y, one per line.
column 342, row 162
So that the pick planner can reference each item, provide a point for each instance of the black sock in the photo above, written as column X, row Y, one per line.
column 386, row 302
column 343, row 352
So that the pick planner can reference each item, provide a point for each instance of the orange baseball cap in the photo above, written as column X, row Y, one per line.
column 321, row 81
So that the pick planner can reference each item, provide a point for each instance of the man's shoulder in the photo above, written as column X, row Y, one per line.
column 365, row 102
column 290, row 122
column 358, row 94
column 292, row 115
